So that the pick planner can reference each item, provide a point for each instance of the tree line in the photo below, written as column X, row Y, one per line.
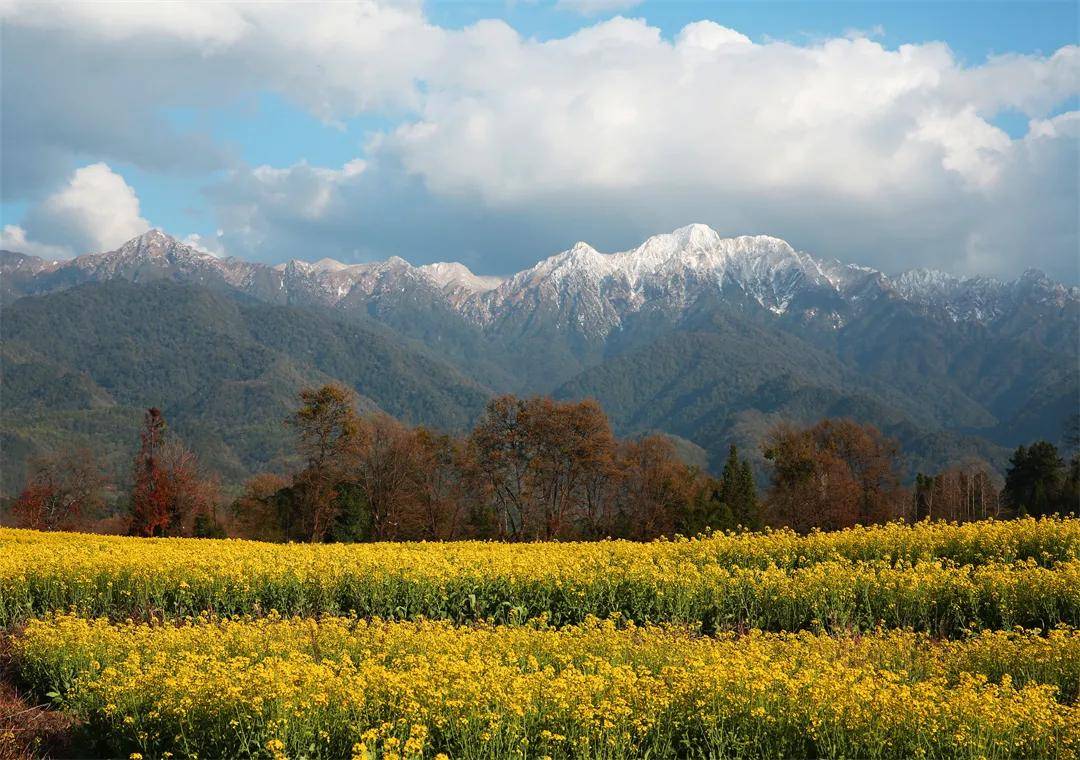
column 530, row 469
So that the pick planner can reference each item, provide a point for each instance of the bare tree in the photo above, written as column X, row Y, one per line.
column 62, row 489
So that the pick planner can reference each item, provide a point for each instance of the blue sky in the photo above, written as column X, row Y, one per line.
column 182, row 108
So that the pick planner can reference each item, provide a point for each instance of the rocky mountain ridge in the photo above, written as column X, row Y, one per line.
column 588, row 291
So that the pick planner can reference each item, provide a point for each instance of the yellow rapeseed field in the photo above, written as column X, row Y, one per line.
column 933, row 640
column 339, row 686
column 937, row 577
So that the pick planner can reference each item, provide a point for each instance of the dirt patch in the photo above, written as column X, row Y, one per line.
column 28, row 729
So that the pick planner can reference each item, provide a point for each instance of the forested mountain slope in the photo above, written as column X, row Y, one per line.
column 712, row 339
column 83, row 364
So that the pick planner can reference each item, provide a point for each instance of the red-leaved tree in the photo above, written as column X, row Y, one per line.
column 62, row 488
column 168, row 492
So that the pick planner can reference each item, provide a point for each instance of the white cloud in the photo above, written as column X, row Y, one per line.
column 617, row 106
column 95, row 211
column 13, row 238
column 883, row 156
column 969, row 146
column 334, row 59
column 211, row 245
column 877, row 30
column 595, row 7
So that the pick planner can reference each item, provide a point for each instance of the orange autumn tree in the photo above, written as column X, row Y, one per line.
column 833, row 475
column 62, row 489
column 168, row 494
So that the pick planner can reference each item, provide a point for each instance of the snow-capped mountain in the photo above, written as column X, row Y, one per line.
column 706, row 337
column 580, row 289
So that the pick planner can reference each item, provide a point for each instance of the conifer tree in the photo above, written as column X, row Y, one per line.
column 1033, row 484
column 749, row 511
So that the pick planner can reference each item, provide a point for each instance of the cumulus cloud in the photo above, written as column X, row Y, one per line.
column 334, row 59
column 888, row 157
column 96, row 210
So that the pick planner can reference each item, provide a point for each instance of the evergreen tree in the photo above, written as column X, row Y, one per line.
column 748, row 511
column 352, row 523
column 729, row 482
column 1033, row 484
column 168, row 492
column 150, row 494
column 738, row 493
column 707, row 511
column 1070, row 490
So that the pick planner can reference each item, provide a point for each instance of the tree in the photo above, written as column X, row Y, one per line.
column 60, row 490
column 256, row 511
column 923, row 497
column 962, row 493
column 546, row 467
column 1069, row 500
column 169, row 495
column 1033, row 483
column 329, row 439
column 656, row 489
column 727, row 502
column 150, row 493
column 388, row 473
column 352, row 519
column 573, row 445
column 441, row 490
column 738, row 490
column 832, row 475
column 748, row 509
column 501, row 451
column 706, row 509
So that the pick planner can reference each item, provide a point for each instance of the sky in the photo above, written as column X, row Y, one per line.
column 890, row 134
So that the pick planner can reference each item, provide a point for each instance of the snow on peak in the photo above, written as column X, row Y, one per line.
column 153, row 240
column 450, row 275
column 155, row 234
column 328, row 265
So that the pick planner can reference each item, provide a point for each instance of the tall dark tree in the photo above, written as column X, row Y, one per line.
column 150, row 495
column 1033, row 483
column 748, row 511
column 257, row 511
column 736, row 495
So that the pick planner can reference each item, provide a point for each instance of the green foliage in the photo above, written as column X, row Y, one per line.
column 1038, row 483
column 207, row 526
column 80, row 367
column 353, row 520
column 727, row 503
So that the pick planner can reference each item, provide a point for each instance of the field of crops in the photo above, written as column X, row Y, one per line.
column 932, row 640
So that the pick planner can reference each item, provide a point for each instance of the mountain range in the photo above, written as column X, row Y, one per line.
column 707, row 338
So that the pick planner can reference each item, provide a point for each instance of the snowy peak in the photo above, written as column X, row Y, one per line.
column 154, row 244
column 452, row 276
column 981, row 299
column 150, row 255
column 674, row 268
column 580, row 289
column 328, row 265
